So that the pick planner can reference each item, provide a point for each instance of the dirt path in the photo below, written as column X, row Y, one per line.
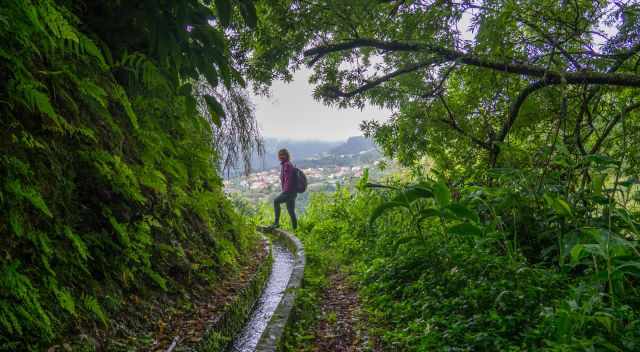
column 342, row 326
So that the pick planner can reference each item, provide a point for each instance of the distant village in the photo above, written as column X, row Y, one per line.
column 261, row 185
column 325, row 169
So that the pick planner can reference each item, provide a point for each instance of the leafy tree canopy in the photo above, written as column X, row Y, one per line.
column 519, row 72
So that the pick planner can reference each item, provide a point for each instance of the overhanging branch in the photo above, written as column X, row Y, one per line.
column 376, row 82
column 552, row 76
column 517, row 104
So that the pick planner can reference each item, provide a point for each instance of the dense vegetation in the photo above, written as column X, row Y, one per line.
column 475, row 268
column 517, row 226
column 109, row 185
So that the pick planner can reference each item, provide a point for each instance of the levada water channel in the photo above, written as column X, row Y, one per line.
column 282, row 267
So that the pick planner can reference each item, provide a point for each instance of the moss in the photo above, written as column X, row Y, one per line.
column 232, row 320
column 109, row 189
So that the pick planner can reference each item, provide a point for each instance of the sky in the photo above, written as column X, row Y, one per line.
column 292, row 113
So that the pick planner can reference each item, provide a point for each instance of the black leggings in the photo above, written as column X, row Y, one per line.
column 290, row 199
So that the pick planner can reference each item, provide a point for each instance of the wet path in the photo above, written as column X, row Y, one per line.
column 283, row 261
column 342, row 326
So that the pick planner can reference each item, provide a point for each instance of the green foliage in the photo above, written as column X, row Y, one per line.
column 92, row 305
column 20, row 303
column 469, row 85
column 109, row 185
column 475, row 268
column 530, row 225
column 306, row 309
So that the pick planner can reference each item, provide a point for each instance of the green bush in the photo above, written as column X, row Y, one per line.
column 455, row 270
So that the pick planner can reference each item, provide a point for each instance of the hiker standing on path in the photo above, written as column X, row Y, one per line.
column 289, row 193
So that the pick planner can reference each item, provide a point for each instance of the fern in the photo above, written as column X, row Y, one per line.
column 157, row 279
column 39, row 101
column 88, row 46
column 77, row 243
column 102, row 161
column 8, row 319
column 4, row 21
column 21, row 291
column 120, row 95
column 144, row 70
column 15, row 222
column 17, row 166
column 117, row 173
column 29, row 141
column 63, row 296
column 30, row 194
column 66, row 301
column 90, row 89
column 153, row 179
column 92, row 305
column 42, row 242
column 57, row 24
column 120, row 230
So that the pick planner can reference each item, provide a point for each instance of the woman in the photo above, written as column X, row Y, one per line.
column 289, row 194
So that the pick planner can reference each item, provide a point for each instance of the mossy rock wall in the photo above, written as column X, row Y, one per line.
column 221, row 334
column 109, row 186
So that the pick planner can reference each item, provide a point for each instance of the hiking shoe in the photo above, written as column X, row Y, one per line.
column 272, row 227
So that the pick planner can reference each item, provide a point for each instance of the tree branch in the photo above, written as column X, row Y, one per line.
column 553, row 42
column 517, row 104
column 454, row 124
column 611, row 125
column 624, row 56
column 578, row 128
column 582, row 77
column 438, row 87
column 376, row 82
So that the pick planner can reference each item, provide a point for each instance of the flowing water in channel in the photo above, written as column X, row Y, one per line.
column 281, row 270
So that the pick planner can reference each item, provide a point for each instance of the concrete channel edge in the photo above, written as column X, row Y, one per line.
column 271, row 337
column 222, row 331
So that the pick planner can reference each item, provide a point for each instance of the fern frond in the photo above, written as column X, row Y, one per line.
column 77, row 243
column 92, row 305
column 28, row 193
column 121, row 96
column 121, row 231
column 66, row 301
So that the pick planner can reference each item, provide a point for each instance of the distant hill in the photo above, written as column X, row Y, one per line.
column 354, row 145
column 309, row 153
column 299, row 150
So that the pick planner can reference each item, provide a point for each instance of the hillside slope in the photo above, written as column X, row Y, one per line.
column 109, row 189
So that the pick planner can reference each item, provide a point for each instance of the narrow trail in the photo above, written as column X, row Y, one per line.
column 342, row 326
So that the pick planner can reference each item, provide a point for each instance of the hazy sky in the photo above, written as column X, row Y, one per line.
column 292, row 113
